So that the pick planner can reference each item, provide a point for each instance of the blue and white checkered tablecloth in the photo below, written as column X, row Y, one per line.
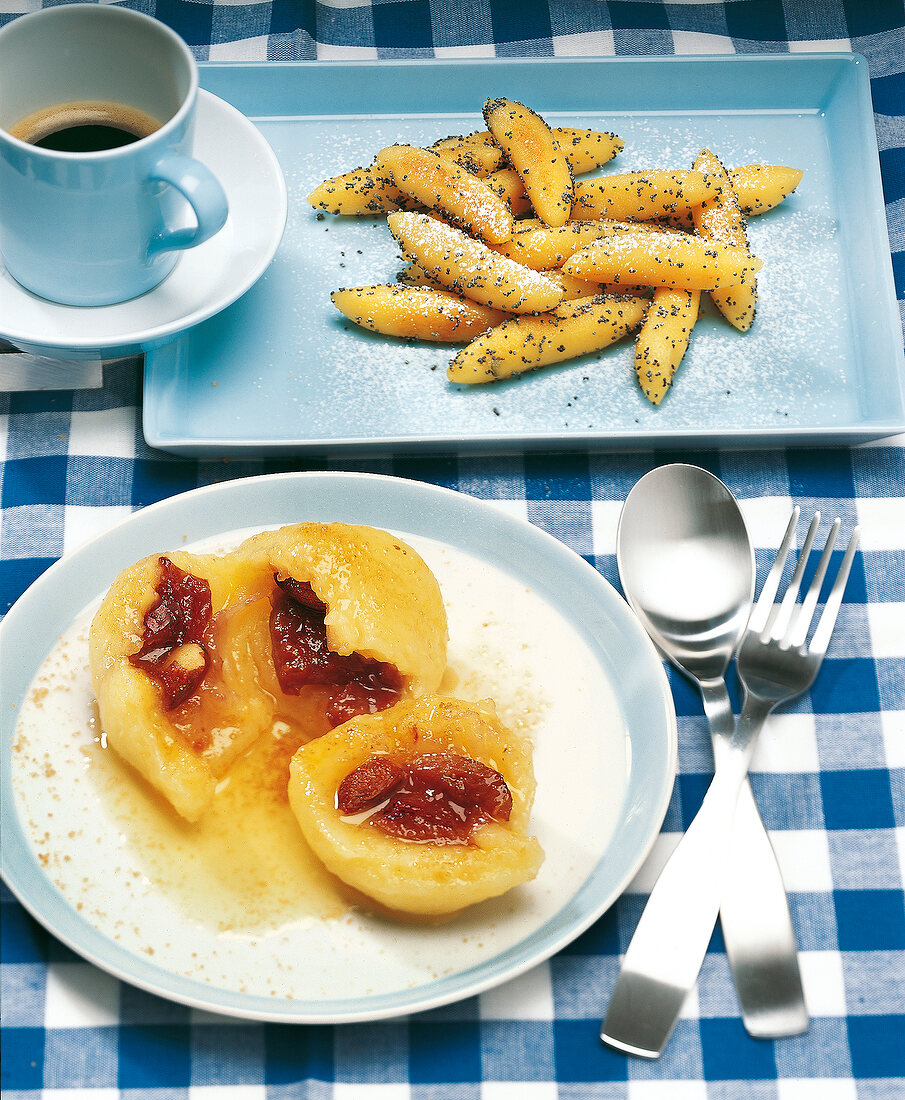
column 829, row 773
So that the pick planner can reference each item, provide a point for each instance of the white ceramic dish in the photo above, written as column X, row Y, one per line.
column 205, row 280
column 604, row 780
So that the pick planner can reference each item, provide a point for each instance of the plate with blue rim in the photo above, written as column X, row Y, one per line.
column 593, row 849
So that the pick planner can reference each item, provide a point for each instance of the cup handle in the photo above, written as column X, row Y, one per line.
column 202, row 192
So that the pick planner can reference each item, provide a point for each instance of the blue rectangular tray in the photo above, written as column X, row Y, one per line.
column 822, row 364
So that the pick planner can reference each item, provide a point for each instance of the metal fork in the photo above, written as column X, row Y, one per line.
column 775, row 664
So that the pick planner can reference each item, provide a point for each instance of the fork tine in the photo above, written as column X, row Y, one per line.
column 821, row 640
column 778, row 625
column 798, row 630
column 764, row 606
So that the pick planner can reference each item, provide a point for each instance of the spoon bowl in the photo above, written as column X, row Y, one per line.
column 687, row 566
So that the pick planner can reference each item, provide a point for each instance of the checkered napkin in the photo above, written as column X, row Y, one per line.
column 828, row 774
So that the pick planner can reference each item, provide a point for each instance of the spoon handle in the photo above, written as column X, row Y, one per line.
column 665, row 954
column 670, row 941
column 754, row 910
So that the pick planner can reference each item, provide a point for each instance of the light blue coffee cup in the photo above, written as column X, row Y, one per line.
column 100, row 227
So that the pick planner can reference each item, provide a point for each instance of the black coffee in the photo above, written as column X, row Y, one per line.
column 86, row 139
column 85, row 126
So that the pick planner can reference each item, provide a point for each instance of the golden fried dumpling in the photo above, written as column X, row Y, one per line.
column 168, row 664
column 382, row 601
column 423, row 807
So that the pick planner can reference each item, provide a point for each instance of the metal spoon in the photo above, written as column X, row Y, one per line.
column 687, row 569
column 22, row 371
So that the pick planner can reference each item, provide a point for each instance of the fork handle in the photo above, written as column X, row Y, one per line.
column 665, row 955
column 758, row 931
column 754, row 910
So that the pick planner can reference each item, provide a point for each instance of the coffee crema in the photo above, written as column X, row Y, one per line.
column 85, row 126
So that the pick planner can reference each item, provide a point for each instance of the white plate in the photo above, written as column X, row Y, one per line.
column 605, row 748
column 205, row 280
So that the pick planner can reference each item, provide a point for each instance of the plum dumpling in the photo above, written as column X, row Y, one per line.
column 422, row 807
column 194, row 657
column 167, row 668
column 356, row 619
